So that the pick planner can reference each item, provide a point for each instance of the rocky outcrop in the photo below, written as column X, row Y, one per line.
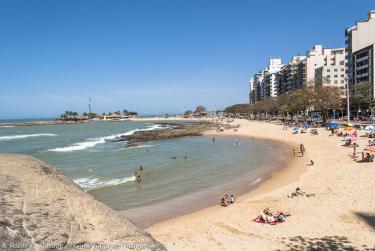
column 170, row 130
column 41, row 209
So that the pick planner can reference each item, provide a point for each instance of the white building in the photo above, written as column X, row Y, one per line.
column 270, row 84
column 252, row 91
column 360, row 46
column 333, row 72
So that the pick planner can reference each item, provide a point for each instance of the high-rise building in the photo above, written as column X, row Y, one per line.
column 270, row 84
column 360, row 46
column 263, row 84
column 332, row 73
column 292, row 75
column 258, row 85
column 252, row 91
column 301, row 70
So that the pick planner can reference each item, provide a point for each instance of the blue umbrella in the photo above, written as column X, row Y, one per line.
column 333, row 124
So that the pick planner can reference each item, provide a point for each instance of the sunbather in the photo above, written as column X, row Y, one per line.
column 299, row 192
column 266, row 216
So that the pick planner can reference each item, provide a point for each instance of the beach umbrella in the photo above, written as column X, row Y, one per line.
column 352, row 137
column 333, row 124
column 370, row 128
column 370, row 149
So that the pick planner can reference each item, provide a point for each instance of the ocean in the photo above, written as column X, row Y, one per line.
column 179, row 175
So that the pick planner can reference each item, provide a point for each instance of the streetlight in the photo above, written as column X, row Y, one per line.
column 347, row 99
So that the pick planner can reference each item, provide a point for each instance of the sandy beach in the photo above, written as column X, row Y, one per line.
column 341, row 215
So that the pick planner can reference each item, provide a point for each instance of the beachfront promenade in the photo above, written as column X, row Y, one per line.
column 340, row 215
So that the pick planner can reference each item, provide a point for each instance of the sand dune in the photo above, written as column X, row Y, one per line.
column 340, row 217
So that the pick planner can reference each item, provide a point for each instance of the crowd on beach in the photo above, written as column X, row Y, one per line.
column 347, row 132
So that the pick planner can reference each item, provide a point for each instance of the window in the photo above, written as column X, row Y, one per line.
column 342, row 81
column 335, row 81
column 342, row 69
column 342, row 62
column 335, row 76
column 335, row 70
column 342, row 75
column 328, row 70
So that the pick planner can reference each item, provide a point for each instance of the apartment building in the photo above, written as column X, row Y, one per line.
column 333, row 72
column 263, row 84
column 360, row 45
column 292, row 75
column 270, row 84
column 258, row 85
column 252, row 91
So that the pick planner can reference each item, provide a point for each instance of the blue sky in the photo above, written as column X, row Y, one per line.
column 152, row 56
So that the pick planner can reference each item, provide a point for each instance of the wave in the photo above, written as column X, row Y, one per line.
column 140, row 146
column 93, row 183
column 255, row 181
column 6, row 126
column 101, row 140
column 12, row 137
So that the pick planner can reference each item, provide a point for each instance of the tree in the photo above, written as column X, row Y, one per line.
column 238, row 108
column 200, row 109
column 327, row 97
column 188, row 113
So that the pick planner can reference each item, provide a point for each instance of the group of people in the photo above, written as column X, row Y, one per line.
column 137, row 174
column 227, row 200
column 266, row 216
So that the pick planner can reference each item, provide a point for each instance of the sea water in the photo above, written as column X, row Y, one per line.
column 179, row 175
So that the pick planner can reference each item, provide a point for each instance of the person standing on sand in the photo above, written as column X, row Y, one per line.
column 294, row 153
column 301, row 148
column 141, row 168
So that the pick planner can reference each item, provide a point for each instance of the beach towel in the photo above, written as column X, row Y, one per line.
column 259, row 220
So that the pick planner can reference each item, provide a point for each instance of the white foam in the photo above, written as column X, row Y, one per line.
column 140, row 146
column 12, row 137
column 94, row 183
column 101, row 140
column 6, row 126
column 256, row 181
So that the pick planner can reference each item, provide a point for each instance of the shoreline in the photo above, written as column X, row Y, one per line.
column 286, row 174
column 210, row 197
column 335, row 216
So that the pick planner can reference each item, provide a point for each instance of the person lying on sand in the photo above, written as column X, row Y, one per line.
column 266, row 216
column 299, row 192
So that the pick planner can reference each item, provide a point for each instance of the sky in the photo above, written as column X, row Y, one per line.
column 153, row 57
